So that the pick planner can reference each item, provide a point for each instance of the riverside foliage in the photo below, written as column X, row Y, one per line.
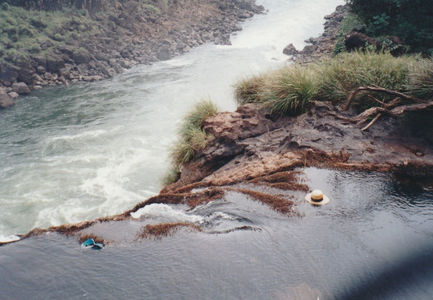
column 410, row 20
column 290, row 90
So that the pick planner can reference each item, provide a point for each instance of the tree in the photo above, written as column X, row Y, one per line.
column 410, row 20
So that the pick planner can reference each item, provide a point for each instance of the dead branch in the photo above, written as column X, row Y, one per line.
column 381, row 90
column 372, row 122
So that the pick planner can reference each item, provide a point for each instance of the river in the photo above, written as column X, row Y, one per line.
column 96, row 149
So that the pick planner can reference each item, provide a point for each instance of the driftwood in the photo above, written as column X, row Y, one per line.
column 393, row 108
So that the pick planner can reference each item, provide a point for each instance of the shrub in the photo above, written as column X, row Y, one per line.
column 350, row 23
column 411, row 20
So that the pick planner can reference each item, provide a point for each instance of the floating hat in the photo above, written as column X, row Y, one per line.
column 316, row 197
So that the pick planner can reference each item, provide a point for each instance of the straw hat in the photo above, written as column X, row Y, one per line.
column 316, row 197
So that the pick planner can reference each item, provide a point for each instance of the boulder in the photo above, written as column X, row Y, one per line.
column 8, row 72
column 357, row 40
column 13, row 95
column 163, row 53
column 290, row 50
column 20, row 88
column 5, row 100
column 26, row 73
column 54, row 63
column 80, row 56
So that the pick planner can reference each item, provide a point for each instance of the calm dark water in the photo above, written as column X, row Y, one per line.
column 373, row 241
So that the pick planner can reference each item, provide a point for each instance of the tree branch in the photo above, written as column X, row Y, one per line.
column 381, row 90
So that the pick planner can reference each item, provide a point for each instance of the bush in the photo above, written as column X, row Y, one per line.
column 350, row 23
column 411, row 20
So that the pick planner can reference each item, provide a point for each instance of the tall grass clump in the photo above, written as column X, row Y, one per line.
column 251, row 90
column 292, row 90
column 421, row 80
column 339, row 76
column 192, row 138
column 287, row 91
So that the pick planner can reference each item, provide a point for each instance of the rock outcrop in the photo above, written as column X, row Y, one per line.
column 322, row 46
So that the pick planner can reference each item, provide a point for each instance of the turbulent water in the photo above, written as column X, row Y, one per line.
column 96, row 149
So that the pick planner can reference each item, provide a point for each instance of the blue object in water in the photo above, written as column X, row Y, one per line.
column 91, row 243
column 98, row 246
column 88, row 243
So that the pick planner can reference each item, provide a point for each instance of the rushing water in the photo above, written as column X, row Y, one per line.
column 96, row 149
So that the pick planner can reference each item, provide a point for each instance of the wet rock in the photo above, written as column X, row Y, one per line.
column 13, row 95
column 20, row 88
column 290, row 50
column 164, row 53
column 5, row 100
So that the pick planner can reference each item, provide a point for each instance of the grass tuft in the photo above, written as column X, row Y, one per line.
column 251, row 90
column 421, row 80
column 192, row 138
column 292, row 91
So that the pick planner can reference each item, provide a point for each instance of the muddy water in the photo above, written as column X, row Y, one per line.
column 372, row 241
column 96, row 149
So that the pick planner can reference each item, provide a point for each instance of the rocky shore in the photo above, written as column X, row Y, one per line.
column 125, row 35
column 324, row 45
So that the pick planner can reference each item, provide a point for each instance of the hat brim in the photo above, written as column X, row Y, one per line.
column 324, row 201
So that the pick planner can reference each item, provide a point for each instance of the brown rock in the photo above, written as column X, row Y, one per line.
column 13, row 95
column 357, row 40
column 5, row 100
column 290, row 50
column 20, row 88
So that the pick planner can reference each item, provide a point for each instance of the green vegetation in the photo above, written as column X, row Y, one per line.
column 410, row 20
column 350, row 23
column 192, row 138
column 289, row 91
column 339, row 76
column 28, row 32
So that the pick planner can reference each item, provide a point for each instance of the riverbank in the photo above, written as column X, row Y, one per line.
column 71, row 45
column 322, row 46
